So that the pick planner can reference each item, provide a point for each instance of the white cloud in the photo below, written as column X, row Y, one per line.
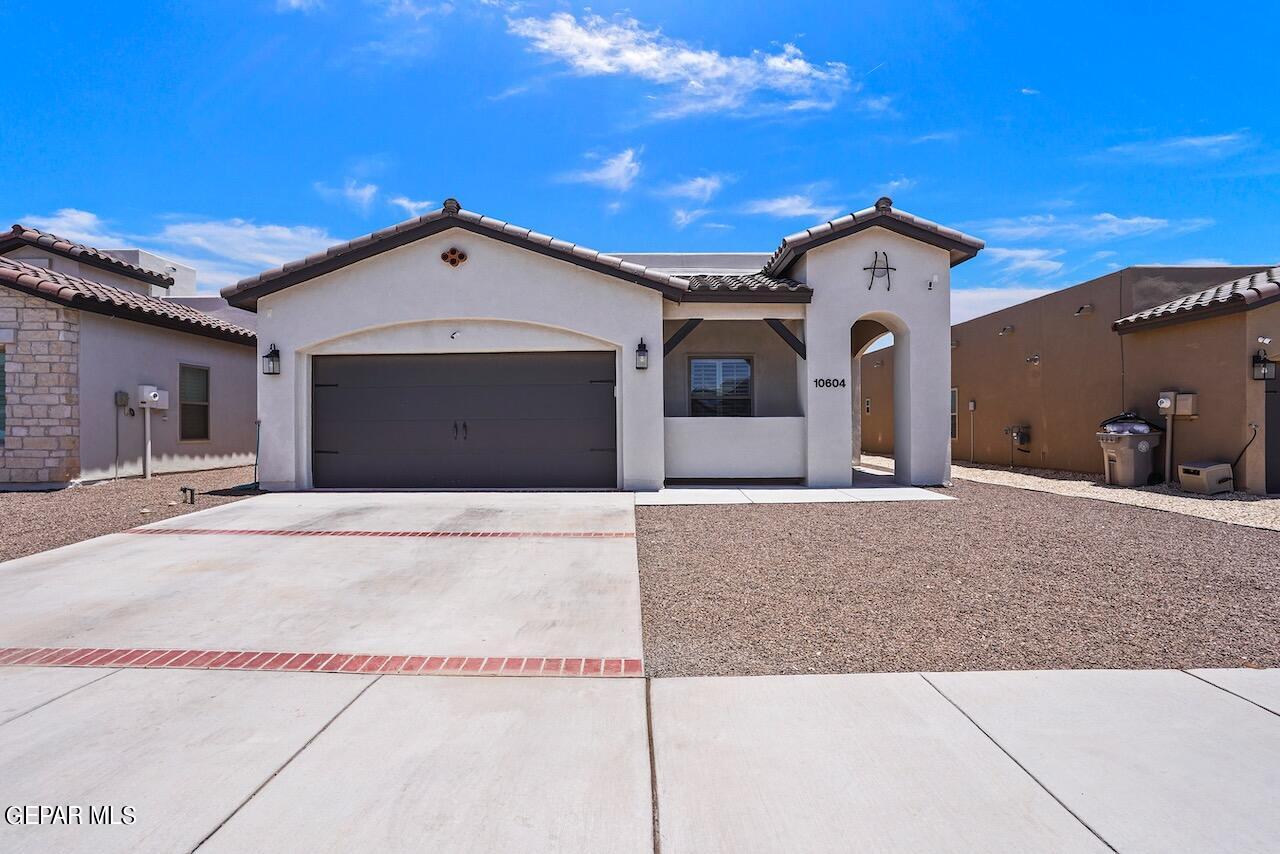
column 247, row 243
column 618, row 172
column 359, row 196
column 968, row 303
column 416, row 11
column 80, row 226
column 700, row 189
column 299, row 5
column 1094, row 228
column 896, row 185
column 1205, row 262
column 697, row 80
column 1183, row 149
column 1039, row 261
column 222, row 251
column 881, row 105
column 682, row 217
column 936, row 136
column 411, row 207
column 1027, row 91
column 797, row 205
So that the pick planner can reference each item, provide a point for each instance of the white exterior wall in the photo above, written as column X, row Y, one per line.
column 735, row 448
column 503, row 299
column 920, row 320
column 118, row 354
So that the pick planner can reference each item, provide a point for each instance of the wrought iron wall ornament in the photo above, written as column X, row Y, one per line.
column 880, row 270
column 454, row 256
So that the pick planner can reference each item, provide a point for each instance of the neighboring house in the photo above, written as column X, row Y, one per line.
column 456, row 350
column 1057, row 365
column 79, row 325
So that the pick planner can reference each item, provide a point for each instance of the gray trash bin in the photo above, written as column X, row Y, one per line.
column 1127, row 457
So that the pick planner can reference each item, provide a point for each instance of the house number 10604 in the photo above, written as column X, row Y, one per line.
column 828, row 383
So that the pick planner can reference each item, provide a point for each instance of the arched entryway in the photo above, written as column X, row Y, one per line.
column 881, row 425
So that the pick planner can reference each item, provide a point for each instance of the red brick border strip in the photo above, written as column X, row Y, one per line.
column 319, row 662
column 479, row 535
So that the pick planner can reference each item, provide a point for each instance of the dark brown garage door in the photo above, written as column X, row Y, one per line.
column 470, row 421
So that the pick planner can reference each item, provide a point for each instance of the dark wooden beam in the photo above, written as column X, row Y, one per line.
column 680, row 334
column 786, row 335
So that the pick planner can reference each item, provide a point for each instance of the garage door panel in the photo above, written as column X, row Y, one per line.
column 407, row 436
column 510, row 420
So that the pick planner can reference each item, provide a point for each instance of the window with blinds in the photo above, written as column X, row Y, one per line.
column 720, row 387
column 193, row 403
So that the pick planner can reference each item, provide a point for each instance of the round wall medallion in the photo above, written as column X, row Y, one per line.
column 454, row 256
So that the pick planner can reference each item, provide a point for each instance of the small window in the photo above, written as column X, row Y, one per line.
column 193, row 403
column 2, row 381
column 720, row 387
column 955, row 397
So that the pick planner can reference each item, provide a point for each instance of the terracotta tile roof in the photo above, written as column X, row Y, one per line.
column 21, row 235
column 1237, row 295
column 961, row 246
column 86, row 295
column 755, row 287
column 245, row 293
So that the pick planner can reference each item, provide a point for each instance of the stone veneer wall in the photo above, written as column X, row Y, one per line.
column 41, row 342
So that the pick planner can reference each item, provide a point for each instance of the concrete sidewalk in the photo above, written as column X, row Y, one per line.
column 964, row 762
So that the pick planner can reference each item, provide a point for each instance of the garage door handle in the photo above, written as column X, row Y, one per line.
column 455, row 430
column 464, row 431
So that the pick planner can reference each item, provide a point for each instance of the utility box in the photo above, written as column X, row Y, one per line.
column 1206, row 478
column 1127, row 457
column 1186, row 404
column 1020, row 434
column 150, row 397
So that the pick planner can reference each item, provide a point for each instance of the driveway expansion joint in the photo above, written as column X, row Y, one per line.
column 1022, row 767
column 322, row 662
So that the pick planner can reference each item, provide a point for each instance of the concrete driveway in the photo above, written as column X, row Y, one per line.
column 129, row 720
column 500, row 575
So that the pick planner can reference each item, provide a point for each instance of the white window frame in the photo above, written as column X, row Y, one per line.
column 208, row 402
column 750, row 396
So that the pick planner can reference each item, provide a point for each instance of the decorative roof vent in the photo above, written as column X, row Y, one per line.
column 884, row 203
column 451, row 206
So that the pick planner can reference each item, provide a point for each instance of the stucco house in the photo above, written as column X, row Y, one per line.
column 80, row 330
column 1063, row 362
column 459, row 351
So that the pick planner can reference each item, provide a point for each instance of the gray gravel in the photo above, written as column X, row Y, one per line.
column 1000, row 579
column 32, row 522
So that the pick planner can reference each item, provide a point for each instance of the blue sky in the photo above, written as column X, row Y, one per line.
column 236, row 136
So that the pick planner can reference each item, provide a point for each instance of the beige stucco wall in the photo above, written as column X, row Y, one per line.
column 117, row 354
column 40, row 341
column 503, row 299
column 1102, row 375
column 773, row 363
column 1212, row 359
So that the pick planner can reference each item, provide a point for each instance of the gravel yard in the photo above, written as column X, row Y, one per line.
column 33, row 522
column 1000, row 579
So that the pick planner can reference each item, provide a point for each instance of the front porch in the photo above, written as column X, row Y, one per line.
column 733, row 401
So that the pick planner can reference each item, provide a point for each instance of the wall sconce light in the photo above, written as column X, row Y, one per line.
column 1004, row 330
column 271, row 361
column 933, row 281
column 1087, row 308
column 1263, row 368
column 1033, row 359
column 642, row 356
